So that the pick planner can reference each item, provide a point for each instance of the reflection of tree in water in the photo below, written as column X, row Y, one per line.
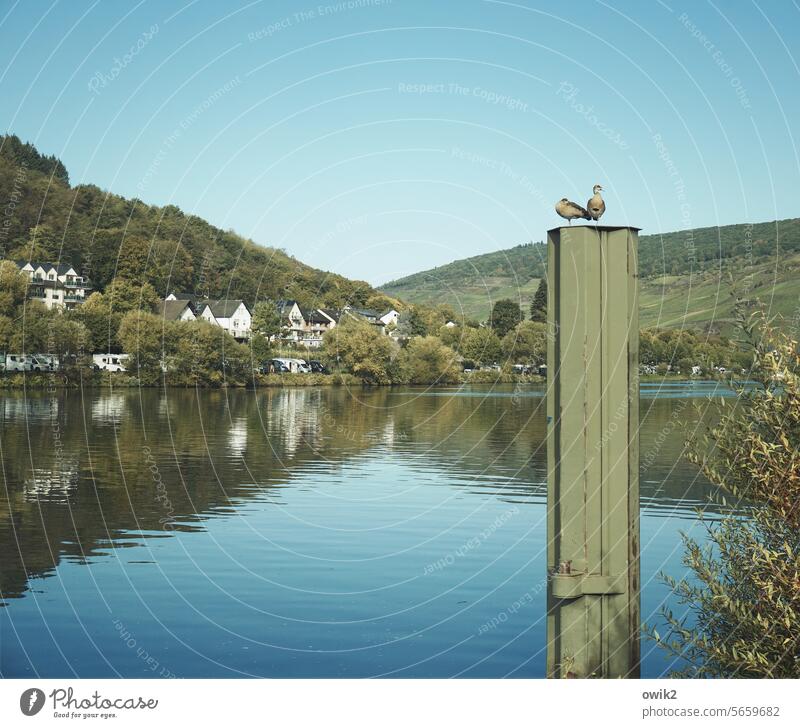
column 493, row 438
column 668, row 482
column 211, row 450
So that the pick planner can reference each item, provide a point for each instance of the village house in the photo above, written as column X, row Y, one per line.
column 173, row 309
column 55, row 285
column 365, row 314
column 305, row 327
column 230, row 314
column 292, row 320
column 318, row 321
column 391, row 317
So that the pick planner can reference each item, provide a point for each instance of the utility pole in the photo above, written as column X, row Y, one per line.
column 592, row 452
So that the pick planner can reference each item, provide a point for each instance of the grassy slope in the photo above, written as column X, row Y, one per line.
column 705, row 298
column 672, row 294
column 471, row 285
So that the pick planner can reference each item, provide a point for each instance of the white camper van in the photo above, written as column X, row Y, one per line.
column 31, row 363
column 294, row 365
column 44, row 363
column 110, row 362
column 17, row 363
column 298, row 365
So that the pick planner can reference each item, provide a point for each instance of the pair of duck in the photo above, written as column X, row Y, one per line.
column 594, row 209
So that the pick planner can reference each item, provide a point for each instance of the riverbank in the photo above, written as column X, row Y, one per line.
column 120, row 380
column 92, row 379
column 661, row 378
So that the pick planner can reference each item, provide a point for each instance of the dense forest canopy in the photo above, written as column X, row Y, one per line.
column 26, row 156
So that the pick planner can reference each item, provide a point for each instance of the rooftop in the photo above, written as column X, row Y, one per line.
column 60, row 268
column 222, row 308
column 172, row 310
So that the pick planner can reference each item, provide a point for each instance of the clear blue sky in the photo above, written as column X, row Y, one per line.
column 381, row 138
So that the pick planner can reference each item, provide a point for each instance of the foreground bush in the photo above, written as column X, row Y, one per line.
column 744, row 604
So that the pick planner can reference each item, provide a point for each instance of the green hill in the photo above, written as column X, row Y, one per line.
column 677, row 289
column 105, row 235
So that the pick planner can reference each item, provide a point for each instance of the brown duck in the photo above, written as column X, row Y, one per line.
column 596, row 206
column 571, row 210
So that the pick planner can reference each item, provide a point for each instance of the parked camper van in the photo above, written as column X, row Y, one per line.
column 110, row 362
column 31, row 363
column 277, row 366
column 17, row 363
column 300, row 365
column 291, row 365
column 44, row 363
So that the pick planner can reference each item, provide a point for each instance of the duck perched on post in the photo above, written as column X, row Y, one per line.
column 596, row 206
column 571, row 210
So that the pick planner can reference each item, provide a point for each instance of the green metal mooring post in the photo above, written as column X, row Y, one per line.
column 592, row 452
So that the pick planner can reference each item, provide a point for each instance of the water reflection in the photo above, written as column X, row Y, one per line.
column 258, row 528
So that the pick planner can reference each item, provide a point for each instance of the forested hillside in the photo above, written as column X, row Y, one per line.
column 105, row 236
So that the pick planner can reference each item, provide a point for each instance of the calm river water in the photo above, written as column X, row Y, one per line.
column 300, row 532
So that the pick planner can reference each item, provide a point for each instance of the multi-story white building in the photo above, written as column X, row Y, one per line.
column 56, row 285
column 230, row 314
column 318, row 321
column 305, row 327
column 292, row 320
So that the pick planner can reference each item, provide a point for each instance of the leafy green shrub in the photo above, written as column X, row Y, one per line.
column 526, row 343
column 363, row 350
column 304, row 380
column 745, row 599
column 426, row 360
column 480, row 345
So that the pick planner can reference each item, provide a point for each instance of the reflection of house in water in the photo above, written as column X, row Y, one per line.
column 237, row 437
column 109, row 408
column 52, row 485
column 164, row 407
column 294, row 418
column 387, row 435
